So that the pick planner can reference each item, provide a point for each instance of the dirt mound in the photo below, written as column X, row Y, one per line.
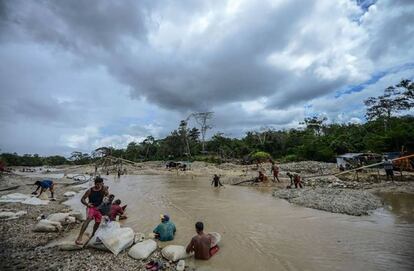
column 344, row 201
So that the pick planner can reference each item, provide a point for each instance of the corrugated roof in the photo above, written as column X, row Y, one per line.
column 350, row 155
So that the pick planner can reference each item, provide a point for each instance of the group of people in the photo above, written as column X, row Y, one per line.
column 295, row 179
column 200, row 244
column 100, row 205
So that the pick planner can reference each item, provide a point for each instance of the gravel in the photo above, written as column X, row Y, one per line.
column 344, row 201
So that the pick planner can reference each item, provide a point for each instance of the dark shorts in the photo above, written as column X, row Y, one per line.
column 389, row 172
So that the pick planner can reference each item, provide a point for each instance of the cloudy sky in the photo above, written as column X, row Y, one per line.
column 76, row 75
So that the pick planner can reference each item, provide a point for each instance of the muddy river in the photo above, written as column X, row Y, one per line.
column 260, row 232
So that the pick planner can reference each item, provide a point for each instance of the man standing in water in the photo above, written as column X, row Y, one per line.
column 95, row 197
column 216, row 181
column 200, row 244
column 389, row 168
column 275, row 170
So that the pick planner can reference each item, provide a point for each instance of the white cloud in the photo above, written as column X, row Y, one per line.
column 75, row 75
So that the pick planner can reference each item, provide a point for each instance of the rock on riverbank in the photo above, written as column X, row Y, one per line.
column 344, row 201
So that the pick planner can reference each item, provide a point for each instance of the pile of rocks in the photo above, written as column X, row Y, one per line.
column 309, row 167
column 332, row 182
column 345, row 201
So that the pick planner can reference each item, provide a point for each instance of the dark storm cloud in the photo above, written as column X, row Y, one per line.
column 308, row 90
column 231, row 68
column 395, row 33
column 79, row 25
column 94, row 72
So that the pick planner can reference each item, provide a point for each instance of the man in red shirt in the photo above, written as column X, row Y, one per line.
column 116, row 209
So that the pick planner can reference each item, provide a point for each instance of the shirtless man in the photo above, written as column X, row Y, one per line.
column 275, row 170
column 200, row 244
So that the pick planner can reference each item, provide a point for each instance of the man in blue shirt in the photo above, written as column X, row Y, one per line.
column 44, row 185
column 165, row 230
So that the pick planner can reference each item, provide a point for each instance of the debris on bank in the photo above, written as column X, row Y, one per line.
column 344, row 201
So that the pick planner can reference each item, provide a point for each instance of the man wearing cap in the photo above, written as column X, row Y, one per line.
column 165, row 230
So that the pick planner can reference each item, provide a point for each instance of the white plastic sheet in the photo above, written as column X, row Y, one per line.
column 22, row 198
column 35, row 201
column 11, row 215
column 14, row 197
column 69, row 194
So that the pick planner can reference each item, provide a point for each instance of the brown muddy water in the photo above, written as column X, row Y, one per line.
column 260, row 232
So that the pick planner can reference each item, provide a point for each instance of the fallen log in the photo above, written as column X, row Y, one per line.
column 244, row 182
column 9, row 188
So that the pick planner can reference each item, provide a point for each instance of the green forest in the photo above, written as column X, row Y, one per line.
column 388, row 128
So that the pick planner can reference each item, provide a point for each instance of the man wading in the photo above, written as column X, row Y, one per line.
column 95, row 197
column 216, row 181
column 389, row 169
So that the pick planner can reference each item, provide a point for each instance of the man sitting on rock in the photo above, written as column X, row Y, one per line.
column 95, row 196
column 165, row 231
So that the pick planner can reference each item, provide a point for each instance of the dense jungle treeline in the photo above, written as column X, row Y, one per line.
column 385, row 131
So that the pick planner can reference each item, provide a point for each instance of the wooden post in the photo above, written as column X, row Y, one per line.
column 378, row 174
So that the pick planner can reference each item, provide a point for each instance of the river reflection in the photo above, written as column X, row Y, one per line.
column 401, row 204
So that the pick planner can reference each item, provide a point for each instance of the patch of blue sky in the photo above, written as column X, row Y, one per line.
column 374, row 78
column 365, row 4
